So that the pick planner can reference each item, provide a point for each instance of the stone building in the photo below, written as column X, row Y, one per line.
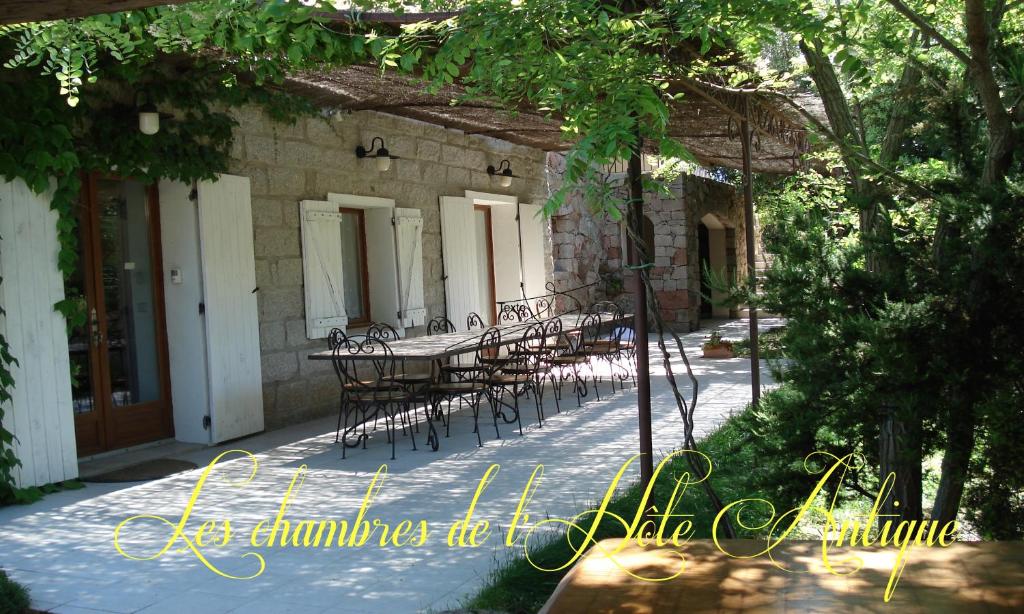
column 698, row 226
column 314, row 158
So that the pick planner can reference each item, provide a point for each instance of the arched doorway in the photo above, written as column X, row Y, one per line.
column 713, row 249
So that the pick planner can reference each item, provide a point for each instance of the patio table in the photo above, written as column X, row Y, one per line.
column 432, row 348
column 436, row 348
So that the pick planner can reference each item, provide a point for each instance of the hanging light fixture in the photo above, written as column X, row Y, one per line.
column 503, row 172
column 382, row 156
column 149, row 119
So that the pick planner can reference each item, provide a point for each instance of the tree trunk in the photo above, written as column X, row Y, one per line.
column 955, row 465
column 900, row 439
column 899, row 452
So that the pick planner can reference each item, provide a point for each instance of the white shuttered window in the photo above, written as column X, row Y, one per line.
column 393, row 263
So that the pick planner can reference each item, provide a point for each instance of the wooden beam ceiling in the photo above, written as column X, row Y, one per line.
column 22, row 11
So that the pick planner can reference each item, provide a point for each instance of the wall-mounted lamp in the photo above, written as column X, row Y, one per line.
column 381, row 154
column 504, row 172
column 149, row 119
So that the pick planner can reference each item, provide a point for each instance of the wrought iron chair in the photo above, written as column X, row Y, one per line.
column 413, row 383
column 521, row 372
column 472, row 387
column 439, row 326
column 368, row 396
column 514, row 312
column 615, row 343
column 573, row 359
column 473, row 320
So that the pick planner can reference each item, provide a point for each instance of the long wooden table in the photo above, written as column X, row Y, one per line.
column 438, row 347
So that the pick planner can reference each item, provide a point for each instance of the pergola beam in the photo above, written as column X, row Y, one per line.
column 23, row 11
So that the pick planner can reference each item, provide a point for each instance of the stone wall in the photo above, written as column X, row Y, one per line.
column 591, row 248
column 305, row 161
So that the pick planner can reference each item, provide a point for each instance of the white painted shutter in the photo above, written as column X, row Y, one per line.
column 505, row 243
column 232, row 315
column 179, row 239
column 39, row 412
column 532, row 224
column 409, row 249
column 458, row 247
column 380, row 266
column 321, row 268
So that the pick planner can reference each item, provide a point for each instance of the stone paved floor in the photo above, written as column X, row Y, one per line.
column 62, row 547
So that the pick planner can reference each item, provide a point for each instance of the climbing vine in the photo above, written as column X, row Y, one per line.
column 70, row 91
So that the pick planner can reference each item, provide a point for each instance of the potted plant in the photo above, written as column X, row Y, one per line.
column 717, row 347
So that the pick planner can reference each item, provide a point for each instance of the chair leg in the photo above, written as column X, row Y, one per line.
column 494, row 411
column 538, row 385
column 476, row 417
column 392, row 429
column 341, row 412
column 556, row 392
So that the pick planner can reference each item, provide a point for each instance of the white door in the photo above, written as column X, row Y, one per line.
column 459, row 250
column 231, row 311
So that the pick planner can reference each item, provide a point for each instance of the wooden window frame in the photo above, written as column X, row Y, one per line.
column 364, row 272
column 493, row 309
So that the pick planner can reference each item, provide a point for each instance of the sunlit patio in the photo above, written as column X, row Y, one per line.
column 62, row 547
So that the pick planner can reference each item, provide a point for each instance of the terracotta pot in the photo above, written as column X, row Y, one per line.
column 718, row 351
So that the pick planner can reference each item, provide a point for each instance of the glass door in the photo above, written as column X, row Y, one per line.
column 119, row 356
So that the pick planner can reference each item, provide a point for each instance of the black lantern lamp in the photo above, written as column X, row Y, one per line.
column 503, row 172
column 381, row 155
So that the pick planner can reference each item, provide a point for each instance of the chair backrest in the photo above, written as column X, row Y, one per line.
column 488, row 347
column 367, row 350
column 514, row 312
column 383, row 331
column 552, row 332
column 440, row 325
column 590, row 330
column 473, row 320
column 533, row 338
column 606, row 307
column 335, row 338
column 543, row 307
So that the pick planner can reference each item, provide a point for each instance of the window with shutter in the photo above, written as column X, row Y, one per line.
column 375, row 265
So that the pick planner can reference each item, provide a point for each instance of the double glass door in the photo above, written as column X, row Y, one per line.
column 119, row 354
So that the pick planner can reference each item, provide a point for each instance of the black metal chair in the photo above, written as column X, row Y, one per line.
column 514, row 312
column 413, row 383
column 473, row 320
column 471, row 387
column 615, row 343
column 364, row 397
column 439, row 326
column 521, row 372
column 573, row 358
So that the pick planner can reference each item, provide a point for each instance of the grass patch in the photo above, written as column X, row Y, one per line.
column 13, row 596
column 31, row 494
column 520, row 587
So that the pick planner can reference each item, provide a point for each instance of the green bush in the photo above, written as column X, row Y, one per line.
column 13, row 596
